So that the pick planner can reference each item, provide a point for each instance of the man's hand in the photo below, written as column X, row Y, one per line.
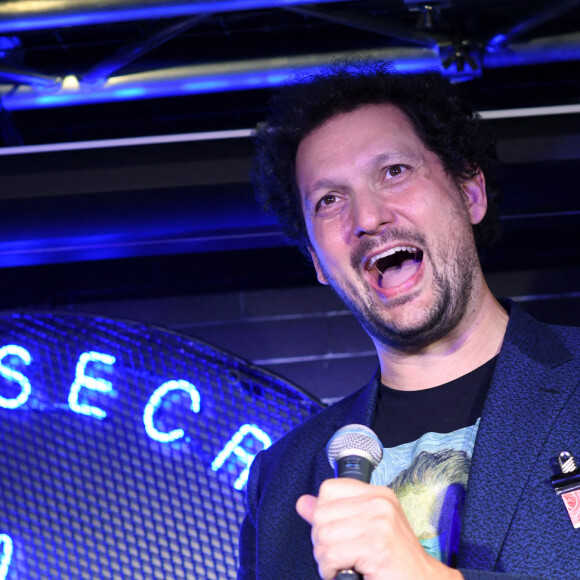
column 363, row 527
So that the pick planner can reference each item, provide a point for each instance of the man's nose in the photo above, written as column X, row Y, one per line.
column 371, row 213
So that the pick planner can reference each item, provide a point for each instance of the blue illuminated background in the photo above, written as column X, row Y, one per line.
column 124, row 155
column 125, row 448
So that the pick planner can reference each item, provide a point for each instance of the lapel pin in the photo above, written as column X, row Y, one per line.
column 567, row 485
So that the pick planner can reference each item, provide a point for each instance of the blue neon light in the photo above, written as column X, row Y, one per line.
column 233, row 446
column 496, row 41
column 12, row 375
column 155, row 402
column 82, row 380
column 5, row 554
column 274, row 80
column 130, row 93
column 58, row 17
column 206, row 86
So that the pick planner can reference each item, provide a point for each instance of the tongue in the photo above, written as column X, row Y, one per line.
column 397, row 275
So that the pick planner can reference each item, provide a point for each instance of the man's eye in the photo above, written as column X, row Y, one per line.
column 326, row 201
column 395, row 170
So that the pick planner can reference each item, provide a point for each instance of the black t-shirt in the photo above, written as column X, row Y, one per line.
column 428, row 438
column 404, row 416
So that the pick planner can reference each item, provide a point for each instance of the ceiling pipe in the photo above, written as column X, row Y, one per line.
column 227, row 134
column 264, row 73
column 127, row 54
column 372, row 24
column 554, row 11
column 551, row 49
column 20, row 15
column 22, row 76
column 199, row 79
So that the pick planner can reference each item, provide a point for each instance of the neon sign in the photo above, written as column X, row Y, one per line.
column 233, row 447
column 15, row 376
column 84, row 381
column 155, row 402
column 126, row 448
column 5, row 554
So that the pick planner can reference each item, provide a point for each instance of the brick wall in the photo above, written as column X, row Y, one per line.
column 306, row 335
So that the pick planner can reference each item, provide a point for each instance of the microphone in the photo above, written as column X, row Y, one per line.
column 354, row 451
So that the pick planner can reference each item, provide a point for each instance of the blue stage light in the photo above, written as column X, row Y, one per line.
column 496, row 42
column 130, row 93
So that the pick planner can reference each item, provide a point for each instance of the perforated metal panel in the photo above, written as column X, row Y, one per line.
column 149, row 489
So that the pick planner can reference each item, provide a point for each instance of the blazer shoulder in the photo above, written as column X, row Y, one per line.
column 547, row 344
column 313, row 435
column 570, row 337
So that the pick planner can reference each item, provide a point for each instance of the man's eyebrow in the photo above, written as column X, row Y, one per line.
column 322, row 183
column 395, row 157
column 392, row 157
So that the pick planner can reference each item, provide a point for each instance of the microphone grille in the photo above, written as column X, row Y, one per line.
column 354, row 440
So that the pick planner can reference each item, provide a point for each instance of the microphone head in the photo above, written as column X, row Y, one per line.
column 356, row 440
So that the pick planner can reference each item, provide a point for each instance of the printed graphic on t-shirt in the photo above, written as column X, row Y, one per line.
column 429, row 476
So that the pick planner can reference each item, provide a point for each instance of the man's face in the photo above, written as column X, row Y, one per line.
column 389, row 230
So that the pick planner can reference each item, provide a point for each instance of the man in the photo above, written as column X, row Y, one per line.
column 388, row 183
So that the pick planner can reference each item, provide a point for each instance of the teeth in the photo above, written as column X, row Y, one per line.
column 390, row 252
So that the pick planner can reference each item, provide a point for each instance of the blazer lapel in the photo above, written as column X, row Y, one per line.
column 523, row 402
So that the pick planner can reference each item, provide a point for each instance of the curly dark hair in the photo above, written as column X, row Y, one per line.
column 446, row 125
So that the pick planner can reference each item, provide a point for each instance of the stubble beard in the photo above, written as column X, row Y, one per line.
column 452, row 292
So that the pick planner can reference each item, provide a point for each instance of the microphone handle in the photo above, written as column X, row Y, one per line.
column 353, row 467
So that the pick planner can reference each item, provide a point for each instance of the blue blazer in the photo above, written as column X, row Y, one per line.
column 514, row 525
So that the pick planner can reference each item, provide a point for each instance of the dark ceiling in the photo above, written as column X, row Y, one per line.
column 124, row 145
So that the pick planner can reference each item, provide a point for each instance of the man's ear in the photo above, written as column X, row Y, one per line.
column 476, row 197
column 319, row 273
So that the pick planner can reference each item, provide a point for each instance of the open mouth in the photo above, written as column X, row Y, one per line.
column 396, row 266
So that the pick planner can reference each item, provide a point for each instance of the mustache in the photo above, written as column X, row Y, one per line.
column 389, row 236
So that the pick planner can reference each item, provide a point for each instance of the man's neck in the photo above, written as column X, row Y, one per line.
column 475, row 341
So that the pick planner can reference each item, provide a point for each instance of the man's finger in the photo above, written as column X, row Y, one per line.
column 305, row 507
